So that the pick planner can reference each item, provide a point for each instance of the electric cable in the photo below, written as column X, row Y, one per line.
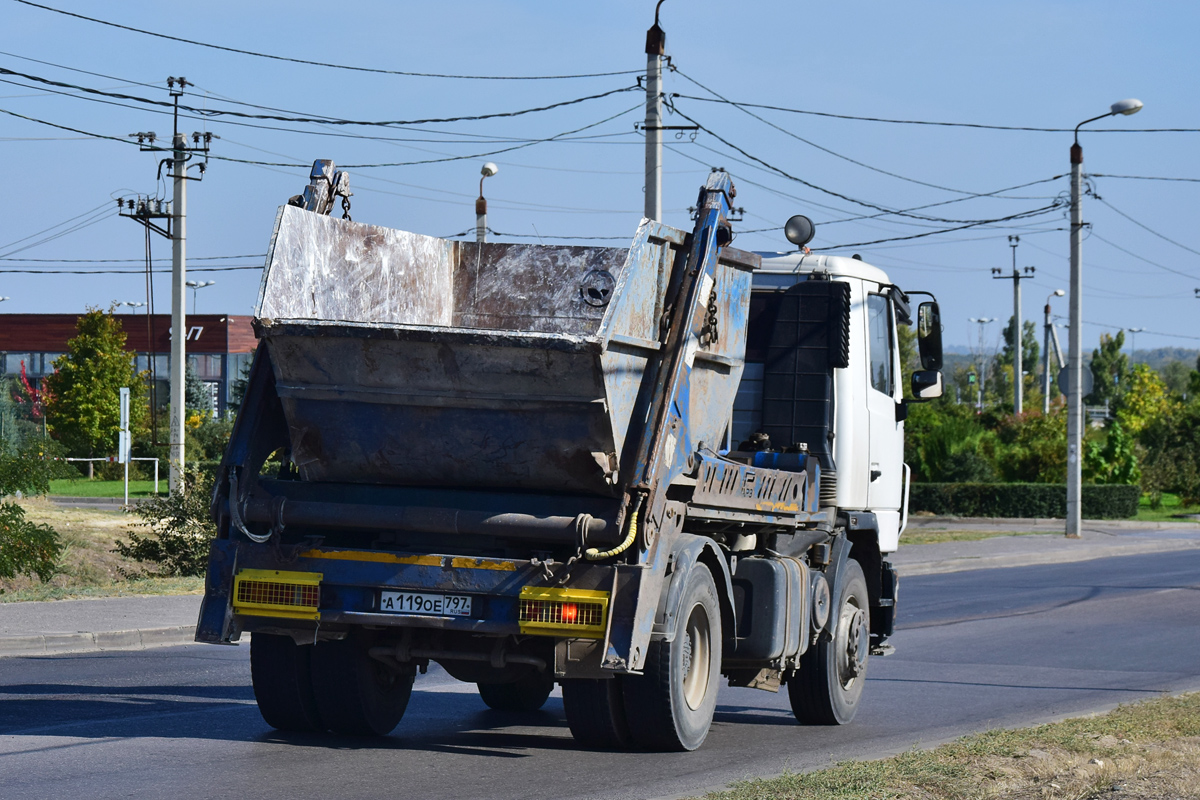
column 930, row 122
column 322, row 63
column 214, row 112
column 1146, row 228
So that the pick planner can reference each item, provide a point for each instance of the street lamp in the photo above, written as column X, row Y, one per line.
column 197, row 286
column 982, row 367
column 1133, row 332
column 1048, row 329
column 489, row 169
column 1075, row 420
column 2, row 299
column 130, row 303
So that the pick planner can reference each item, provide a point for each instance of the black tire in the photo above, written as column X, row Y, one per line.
column 829, row 684
column 670, row 705
column 596, row 713
column 356, row 694
column 281, row 672
column 521, row 696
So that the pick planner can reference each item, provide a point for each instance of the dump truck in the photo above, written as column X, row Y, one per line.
column 626, row 471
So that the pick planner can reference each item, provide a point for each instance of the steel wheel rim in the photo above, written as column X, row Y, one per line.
column 851, row 645
column 696, row 652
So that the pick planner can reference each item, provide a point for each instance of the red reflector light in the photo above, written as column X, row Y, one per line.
column 570, row 612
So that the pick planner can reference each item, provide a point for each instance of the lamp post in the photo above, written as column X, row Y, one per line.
column 1047, row 329
column 1133, row 332
column 197, row 286
column 489, row 169
column 130, row 303
column 1075, row 420
column 982, row 368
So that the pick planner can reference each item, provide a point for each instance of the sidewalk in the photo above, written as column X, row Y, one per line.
column 136, row 623
column 1049, row 545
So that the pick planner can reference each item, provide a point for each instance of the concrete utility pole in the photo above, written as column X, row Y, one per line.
column 1048, row 328
column 1018, row 332
column 656, row 41
column 1075, row 419
column 145, row 210
column 177, row 394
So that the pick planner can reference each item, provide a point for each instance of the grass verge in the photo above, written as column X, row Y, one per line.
column 1169, row 511
column 937, row 537
column 85, row 488
column 88, row 567
column 1143, row 751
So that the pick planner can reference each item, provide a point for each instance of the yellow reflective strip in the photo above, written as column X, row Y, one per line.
column 423, row 561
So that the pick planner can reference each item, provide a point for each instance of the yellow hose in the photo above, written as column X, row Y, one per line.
column 592, row 554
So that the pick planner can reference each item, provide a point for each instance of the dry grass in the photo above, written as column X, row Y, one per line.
column 937, row 536
column 1145, row 751
column 88, row 567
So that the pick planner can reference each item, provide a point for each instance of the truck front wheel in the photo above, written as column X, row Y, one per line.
column 829, row 684
column 670, row 705
column 356, row 694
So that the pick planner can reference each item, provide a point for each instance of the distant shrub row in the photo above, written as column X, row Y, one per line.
column 1023, row 500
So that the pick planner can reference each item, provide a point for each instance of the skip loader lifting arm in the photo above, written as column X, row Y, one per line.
column 665, row 449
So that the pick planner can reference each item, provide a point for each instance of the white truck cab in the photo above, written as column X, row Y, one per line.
column 866, row 447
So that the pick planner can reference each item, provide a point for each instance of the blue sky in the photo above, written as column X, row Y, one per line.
column 1033, row 64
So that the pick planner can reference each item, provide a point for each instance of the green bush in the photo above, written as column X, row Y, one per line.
column 26, row 547
column 179, row 529
column 1022, row 500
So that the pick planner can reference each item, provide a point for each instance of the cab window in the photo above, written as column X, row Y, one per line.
column 879, row 340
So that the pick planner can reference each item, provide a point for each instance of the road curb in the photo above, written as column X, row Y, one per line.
column 55, row 643
column 1111, row 524
column 965, row 563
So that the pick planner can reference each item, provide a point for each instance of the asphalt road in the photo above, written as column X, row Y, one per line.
column 975, row 650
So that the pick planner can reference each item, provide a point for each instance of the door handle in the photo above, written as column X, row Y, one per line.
column 875, row 473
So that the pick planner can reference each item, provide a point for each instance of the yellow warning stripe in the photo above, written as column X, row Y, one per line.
column 456, row 562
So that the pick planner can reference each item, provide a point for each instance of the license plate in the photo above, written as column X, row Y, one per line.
column 436, row 605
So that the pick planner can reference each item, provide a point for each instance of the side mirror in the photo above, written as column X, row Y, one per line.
column 929, row 338
column 927, row 384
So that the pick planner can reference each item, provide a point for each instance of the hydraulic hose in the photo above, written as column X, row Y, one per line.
column 592, row 554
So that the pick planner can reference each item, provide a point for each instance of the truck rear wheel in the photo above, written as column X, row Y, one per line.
column 281, row 672
column 357, row 695
column 596, row 713
column 670, row 706
column 829, row 684
column 524, row 695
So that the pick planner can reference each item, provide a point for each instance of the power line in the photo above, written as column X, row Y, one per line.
column 217, row 112
column 141, row 271
column 215, row 157
column 1143, row 258
column 1022, row 215
column 817, row 146
column 930, row 122
column 1121, row 328
column 323, row 63
column 840, row 196
column 1145, row 227
column 126, row 260
column 1142, row 177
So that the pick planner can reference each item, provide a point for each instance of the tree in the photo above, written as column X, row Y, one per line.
column 1145, row 399
column 1110, row 367
column 1030, row 349
column 83, row 393
column 1113, row 461
column 197, row 397
column 1175, row 375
